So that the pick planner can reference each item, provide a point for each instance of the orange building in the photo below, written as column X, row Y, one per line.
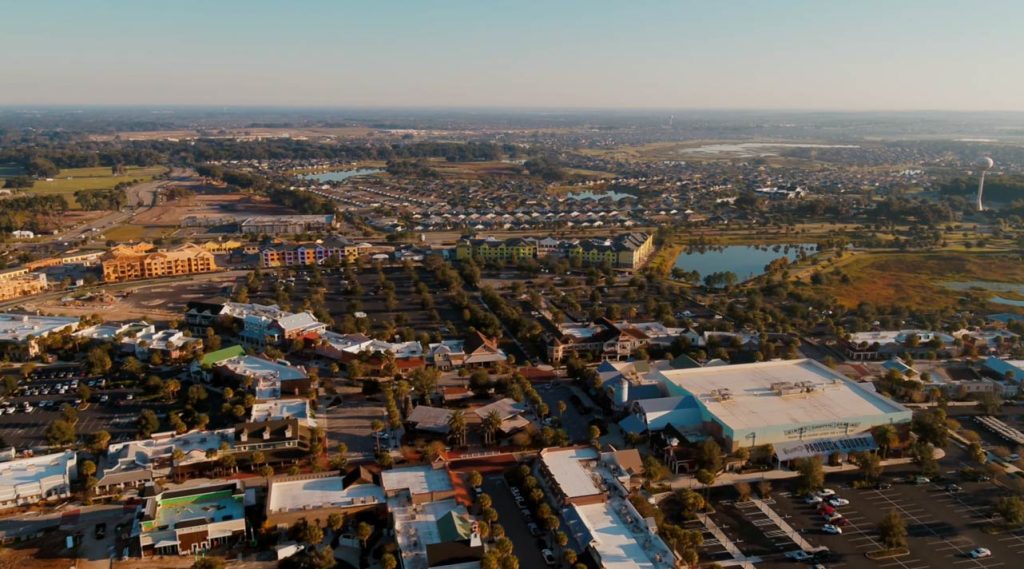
column 187, row 259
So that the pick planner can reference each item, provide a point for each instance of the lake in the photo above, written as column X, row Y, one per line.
column 746, row 261
column 340, row 175
column 990, row 286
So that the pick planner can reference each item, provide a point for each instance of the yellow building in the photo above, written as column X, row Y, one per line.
column 19, row 284
column 184, row 260
column 222, row 246
column 509, row 250
column 626, row 251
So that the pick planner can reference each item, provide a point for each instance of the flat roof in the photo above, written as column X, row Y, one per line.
column 565, row 468
column 417, row 480
column 815, row 394
column 259, row 367
column 18, row 327
column 292, row 495
column 616, row 541
column 281, row 409
column 219, row 504
column 34, row 475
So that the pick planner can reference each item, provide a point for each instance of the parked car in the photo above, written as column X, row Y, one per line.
column 812, row 499
column 534, row 529
column 921, row 480
column 826, row 492
column 832, row 529
column 881, row 485
column 799, row 555
column 548, row 556
column 979, row 553
column 837, row 501
column 953, row 488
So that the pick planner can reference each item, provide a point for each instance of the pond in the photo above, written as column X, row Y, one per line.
column 990, row 286
column 590, row 195
column 339, row 175
column 746, row 261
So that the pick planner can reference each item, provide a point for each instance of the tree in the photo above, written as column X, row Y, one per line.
column 476, row 479
column 870, row 465
column 924, row 456
column 1011, row 508
column 305, row 532
column 100, row 442
column 709, row 456
column 893, row 530
column 812, row 475
column 743, row 491
column 364, row 532
column 208, row 563
column 491, row 426
column 60, row 432
column 88, row 468
column 99, row 361
column 457, row 427
column 388, row 561
column 764, row 488
column 887, row 438
column 595, row 434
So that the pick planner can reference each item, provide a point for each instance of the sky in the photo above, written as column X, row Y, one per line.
column 679, row 54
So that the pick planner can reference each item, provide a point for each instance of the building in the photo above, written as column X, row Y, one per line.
column 800, row 406
column 318, row 495
column 509, row 410
column 496, row 250
column 431, row 527
column 124, row 265
column 20, row 333
column 316, row 253
column 268, row 379
column 18, row 285
column 884, row 344
column 279, row 409
column 477, row 350
column 191, row 521
column 29, row 480
column 626, row 251
column 131, row 464
column 602, row 339
column 592, row 489
column 286, row 224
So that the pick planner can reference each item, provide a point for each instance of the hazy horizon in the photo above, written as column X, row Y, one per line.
column 533, row 56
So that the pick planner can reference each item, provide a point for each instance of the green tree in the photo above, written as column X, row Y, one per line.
column 99, row 361
column 209, row 563
column 1011, row 508
column 364, row 532
column 60, row 432
column 147, row 423
column 812, row 474
column 893, row 530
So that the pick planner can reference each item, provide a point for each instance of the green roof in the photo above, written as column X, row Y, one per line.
column 683, row 361
column 454, row 526
column 221, row 355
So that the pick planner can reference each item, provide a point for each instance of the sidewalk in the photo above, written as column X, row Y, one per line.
column 783, row 525
column 730, row 478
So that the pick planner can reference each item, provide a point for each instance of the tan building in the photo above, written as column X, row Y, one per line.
column 21, row 284
column 187, row 259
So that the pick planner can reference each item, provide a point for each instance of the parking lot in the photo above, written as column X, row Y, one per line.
column 40, row 397
column 942, row 526
column 349, row 422
column 525, row 545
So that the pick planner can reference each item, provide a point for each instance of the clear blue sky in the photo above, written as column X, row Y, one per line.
column 763, row 54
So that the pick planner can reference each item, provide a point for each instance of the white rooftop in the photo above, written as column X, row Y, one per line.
column 35, row 476
column 294, row 495
column 619, row 545
column 744, row 396
column 18, row 327
column 260, row 368
column 565, row 468
column 282, row 409
column 416, row 479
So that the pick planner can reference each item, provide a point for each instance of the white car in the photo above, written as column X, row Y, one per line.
column 836, row 501
column 832, row 529
column 826, row 492
column 548, row 556
column 799, row 555
column 812, row 499
column 979, row 553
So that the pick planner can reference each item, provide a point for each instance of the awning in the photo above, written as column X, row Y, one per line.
column 824, row 447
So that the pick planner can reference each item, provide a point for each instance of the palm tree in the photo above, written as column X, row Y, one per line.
column 887, row 438
column 561, row 408
column 377, row 426
column 457, row 426
column 491, row 425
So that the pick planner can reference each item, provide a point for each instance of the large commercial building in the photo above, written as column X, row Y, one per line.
column 286, row 224
column 29, row 480
column 20, row 333
column 800, row 406
column 187, row 259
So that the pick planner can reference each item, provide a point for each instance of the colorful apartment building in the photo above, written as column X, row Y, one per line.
column 19, row 283
column 626, row 251
column 492, row 249
column 301, row 254
column 124, row 265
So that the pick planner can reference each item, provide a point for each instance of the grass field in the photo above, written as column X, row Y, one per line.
column 70, row 180
column 917, row 279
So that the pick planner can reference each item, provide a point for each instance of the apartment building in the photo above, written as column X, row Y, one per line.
column 127, row 265
column 626, row 251
column 302, row 254
column 18, row 284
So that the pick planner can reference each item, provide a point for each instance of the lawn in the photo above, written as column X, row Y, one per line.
column 917, row 279
column 70, row 180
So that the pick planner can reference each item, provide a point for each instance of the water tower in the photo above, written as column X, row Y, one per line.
column 985, row 164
